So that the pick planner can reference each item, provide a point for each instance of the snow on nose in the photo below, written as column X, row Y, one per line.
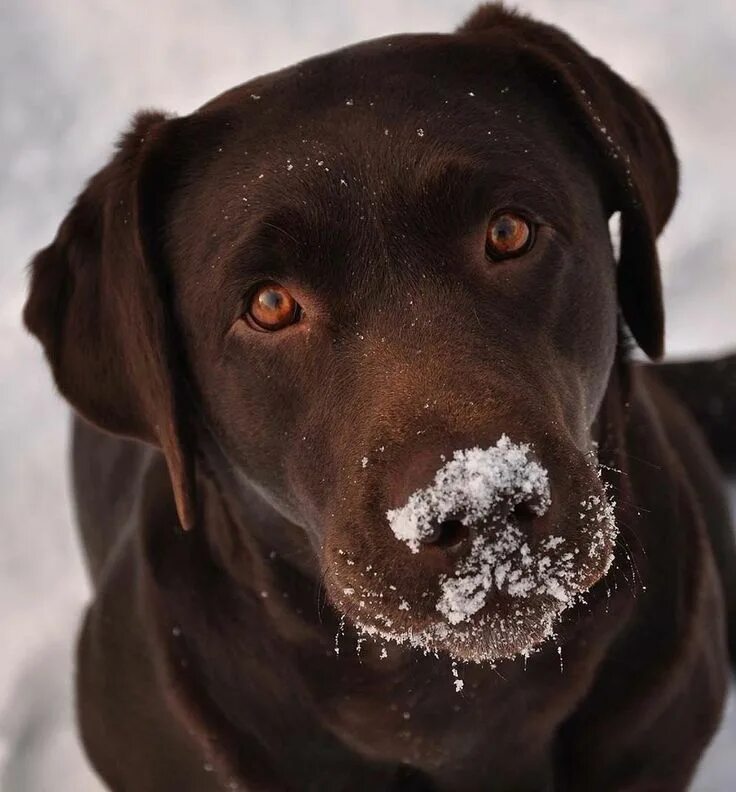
column 475, row 486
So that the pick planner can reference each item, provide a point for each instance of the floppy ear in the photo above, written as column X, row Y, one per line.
column 97, row 304
column 634, row 147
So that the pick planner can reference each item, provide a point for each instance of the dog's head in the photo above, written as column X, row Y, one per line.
column 382, row 281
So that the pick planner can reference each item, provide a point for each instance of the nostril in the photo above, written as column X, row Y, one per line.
column 448, row 533
column 524, row 512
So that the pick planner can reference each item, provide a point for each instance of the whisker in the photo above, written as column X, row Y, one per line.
column 282, row 231
column 645, row 461
column 636, row 574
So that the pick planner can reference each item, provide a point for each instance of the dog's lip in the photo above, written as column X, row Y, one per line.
column 470, row 641
column 411, row 619
column 474, row 641
column 532, row 619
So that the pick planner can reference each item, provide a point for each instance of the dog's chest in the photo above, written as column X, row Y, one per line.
column 456, row 723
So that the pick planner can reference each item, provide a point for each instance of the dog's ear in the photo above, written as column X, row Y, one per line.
column 98, row 305
column 632, row 144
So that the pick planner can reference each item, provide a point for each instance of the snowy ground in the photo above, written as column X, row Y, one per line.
column 71, row 73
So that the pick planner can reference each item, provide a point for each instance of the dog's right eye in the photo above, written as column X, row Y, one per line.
column 509, row 235
column 271, row 307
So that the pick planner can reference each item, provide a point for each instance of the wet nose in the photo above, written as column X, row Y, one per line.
column 444, row 500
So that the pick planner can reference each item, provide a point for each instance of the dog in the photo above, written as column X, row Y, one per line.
column 373, row 493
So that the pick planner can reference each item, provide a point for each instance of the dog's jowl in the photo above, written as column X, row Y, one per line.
column 372, row 493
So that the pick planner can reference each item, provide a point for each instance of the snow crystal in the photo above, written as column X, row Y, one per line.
column 470, row 487
column 535, row 580
column 501, row 559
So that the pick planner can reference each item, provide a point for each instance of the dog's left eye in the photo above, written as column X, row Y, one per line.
column 508, row 235
column 271, row 307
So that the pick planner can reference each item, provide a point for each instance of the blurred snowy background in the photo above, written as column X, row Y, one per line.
column 72, row 73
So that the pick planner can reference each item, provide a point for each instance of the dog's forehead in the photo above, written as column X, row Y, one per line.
column 397, row 95
column 403, row 64
column 367, row 135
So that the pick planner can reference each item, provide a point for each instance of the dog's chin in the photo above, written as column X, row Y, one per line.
column 499, row 631
column 489, row 637
column 503, row 627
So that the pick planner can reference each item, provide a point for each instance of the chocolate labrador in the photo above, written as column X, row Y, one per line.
column 372, row 494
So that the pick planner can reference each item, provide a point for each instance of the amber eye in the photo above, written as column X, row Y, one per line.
column 271, row 307
column 508, row 235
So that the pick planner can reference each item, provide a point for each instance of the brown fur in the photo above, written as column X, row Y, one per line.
column 207, row 657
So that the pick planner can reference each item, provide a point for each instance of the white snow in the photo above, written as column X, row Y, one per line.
column 501, row 560
column 470, row 487
column 481, row 487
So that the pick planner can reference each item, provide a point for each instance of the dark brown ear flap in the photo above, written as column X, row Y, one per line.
column 96, row 304
column 635, row 151
column 637, row 155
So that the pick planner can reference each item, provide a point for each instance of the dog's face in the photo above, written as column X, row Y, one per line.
column 372, row 261
column 421, row 266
